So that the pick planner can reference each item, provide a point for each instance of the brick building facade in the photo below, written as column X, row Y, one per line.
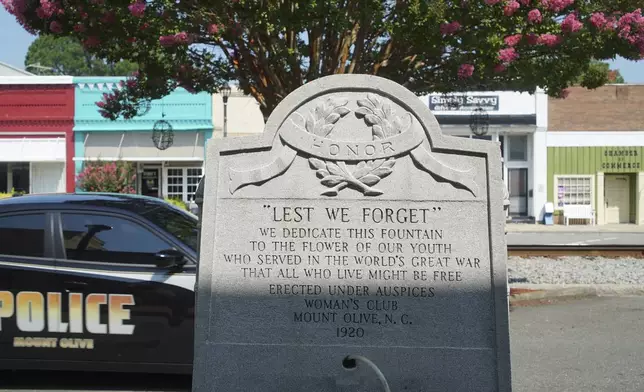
column 36, row 139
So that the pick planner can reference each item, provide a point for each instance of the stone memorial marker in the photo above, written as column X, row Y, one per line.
column 352, row 247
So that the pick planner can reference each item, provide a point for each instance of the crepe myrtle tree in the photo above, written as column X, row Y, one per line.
column 271, row 47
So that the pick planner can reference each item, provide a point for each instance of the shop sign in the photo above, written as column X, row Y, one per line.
column 455, row 103
column 621, row 158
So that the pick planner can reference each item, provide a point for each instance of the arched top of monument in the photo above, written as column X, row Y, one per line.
column 357, row 89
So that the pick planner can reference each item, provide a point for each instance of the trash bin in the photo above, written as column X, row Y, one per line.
column 547, row 213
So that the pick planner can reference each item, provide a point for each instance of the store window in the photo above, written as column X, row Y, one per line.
column 574, row 190
column 14, row 176
column 182, row 182
column 518, row 145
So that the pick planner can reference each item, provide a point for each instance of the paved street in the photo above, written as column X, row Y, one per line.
column 574, row 238
column 590, row 345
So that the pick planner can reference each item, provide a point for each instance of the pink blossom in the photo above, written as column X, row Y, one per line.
column 213, row 28
column 166, row 40
column 465, row 71
column 511, row 8
column 499, row 68
column 570, row 24
column 598, row 20
column 56, row 27
column 508, row 55
column 525, row 2
column 182, row 38
column 549, row 39
column 534, row 16
column 79, row 28
column 41, row 13
column 450, row 28
column 512, row 40
column 48, row 8
column 137, row 9
column 491, row 2
column 557, row 5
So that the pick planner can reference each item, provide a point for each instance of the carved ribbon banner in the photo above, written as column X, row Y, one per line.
column 392, row 138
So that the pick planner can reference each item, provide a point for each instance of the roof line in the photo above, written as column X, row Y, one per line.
column 22, row 71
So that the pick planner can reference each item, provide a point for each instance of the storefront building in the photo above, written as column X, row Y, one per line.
column 596, row 153
column 518, row 122
column 164, row 169
column 36, row 138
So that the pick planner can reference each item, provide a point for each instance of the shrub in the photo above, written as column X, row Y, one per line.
column 177, row 202
column 113, row 177
column 10, row 194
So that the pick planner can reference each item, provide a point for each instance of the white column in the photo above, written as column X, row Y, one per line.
column 639, row 199
column 599, row 208
column 541, row 108
column 539, row 173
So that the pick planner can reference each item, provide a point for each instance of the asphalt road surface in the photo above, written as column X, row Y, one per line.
column 578, row 238
column 592, row 345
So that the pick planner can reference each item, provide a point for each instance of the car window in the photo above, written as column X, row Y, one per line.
column 179, row 224
column 23, row 235
column 109, row 239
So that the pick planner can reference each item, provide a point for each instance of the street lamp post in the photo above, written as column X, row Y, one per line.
column 225, row 93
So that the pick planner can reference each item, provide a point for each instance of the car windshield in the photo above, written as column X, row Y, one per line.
column 182, row 225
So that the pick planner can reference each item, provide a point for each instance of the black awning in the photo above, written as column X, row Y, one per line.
column 494, row 119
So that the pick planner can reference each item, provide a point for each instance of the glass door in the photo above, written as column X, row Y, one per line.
column 518, row 184
column 150, row 182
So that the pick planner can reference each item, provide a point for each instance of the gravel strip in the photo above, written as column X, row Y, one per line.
column 575, row 270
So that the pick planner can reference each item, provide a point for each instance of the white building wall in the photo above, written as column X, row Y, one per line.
column 244, row 116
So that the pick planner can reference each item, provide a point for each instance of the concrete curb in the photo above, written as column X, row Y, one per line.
column 538, row 292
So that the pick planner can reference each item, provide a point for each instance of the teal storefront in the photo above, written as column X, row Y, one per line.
column 171, row 169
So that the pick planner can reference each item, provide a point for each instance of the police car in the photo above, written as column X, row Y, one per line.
column 97, row 282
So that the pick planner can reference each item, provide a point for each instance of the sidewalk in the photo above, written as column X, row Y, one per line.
column 529, row 294
column 541, row 228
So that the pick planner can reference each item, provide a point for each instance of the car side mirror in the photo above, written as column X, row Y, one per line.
column 170, row 258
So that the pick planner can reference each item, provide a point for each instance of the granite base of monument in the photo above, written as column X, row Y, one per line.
column 352, row 247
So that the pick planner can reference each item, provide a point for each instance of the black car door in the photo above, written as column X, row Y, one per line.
column 29, row 291
column 122, row 307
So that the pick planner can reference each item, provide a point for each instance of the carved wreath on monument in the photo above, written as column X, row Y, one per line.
column 384, row 123
column 392, row 137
